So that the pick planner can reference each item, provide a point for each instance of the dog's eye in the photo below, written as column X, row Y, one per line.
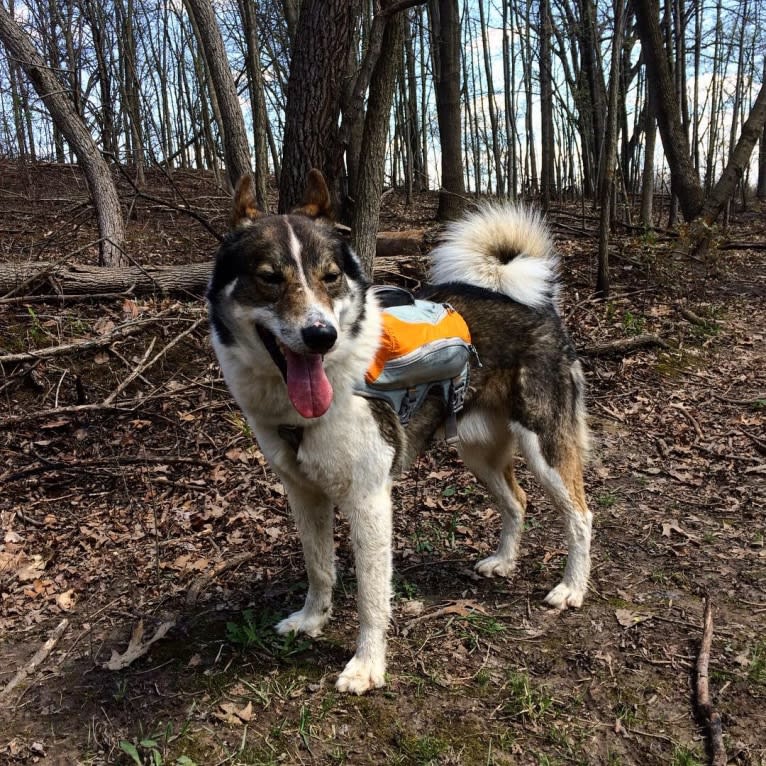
column 271, row 277
column 331, row 277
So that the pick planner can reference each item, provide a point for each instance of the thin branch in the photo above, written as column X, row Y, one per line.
column 39, row 657
column 711, row 718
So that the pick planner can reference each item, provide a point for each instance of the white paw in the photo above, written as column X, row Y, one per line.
column 564, row 595
column 302, row 621
column 495, row 566
column 360, row 676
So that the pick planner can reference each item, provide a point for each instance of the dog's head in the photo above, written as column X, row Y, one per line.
column 289, row 292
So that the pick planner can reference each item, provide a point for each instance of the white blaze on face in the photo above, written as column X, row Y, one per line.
column 308, row 387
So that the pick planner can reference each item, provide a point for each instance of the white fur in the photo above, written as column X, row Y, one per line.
column 467, row 254
column 571, row 590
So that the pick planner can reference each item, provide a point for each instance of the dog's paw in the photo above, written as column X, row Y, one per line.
column 495, row 566
column 360, row 676
column 310, row 623
column 563, row 596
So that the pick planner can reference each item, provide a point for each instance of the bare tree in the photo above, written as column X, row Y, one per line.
column 100, row 182
column 232, row 123
column 685, row 182
column 445, row 45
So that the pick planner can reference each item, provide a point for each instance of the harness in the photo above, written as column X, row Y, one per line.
column 425, row 350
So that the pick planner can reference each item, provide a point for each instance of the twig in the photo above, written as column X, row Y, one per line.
column 624, row 345
column 120, row 332
column 689, row 417
column 143, row 365
column 711, row 718
column 39, row 657
column 110, row 462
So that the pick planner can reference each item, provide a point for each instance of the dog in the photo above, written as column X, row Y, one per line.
column 295, row 325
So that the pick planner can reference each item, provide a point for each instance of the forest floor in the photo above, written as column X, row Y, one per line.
column 146, row 550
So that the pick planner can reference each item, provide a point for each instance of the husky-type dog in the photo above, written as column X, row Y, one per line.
column 295, row 326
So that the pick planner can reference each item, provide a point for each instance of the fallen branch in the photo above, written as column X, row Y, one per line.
column 39, row 657
column 695, row 319
column 191, row 278
column 710, row 717
column 624, row 345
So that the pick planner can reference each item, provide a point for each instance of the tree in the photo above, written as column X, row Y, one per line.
column 232, row 123
column 685, row 182
column 321, row 46
column 102, row 188
column 445, row 49
column 369, row 187
column 609, row 158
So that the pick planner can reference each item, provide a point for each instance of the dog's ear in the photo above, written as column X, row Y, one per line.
column 245, row 207
column 316, row 201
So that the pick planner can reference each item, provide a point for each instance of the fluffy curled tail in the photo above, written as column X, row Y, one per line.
column 504, row 247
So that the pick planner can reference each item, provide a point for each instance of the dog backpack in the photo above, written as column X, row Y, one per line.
column 425, row 348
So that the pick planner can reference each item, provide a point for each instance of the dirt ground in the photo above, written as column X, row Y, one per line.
column 146, row 550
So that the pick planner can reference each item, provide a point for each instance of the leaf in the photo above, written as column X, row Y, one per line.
column 130, row 749
column 137, row 647
column 628, row 618
column 66, row 600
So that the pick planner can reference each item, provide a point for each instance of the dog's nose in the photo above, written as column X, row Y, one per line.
column 319, row 337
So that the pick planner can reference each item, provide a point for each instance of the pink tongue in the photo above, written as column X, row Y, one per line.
column 307, row 385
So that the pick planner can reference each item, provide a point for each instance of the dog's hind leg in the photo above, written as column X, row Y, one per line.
column 371, row 529
column 487, row 452
column 313, row 514
column 564, row 484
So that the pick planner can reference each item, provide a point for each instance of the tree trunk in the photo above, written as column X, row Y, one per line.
column 257, row 101
column 445, row 46
column 546, row 107
column 369, row 188
column 314, row 91
column 102, row 188
column 684, row 182
column 610, row 154
column 647, row 175
column 762, row 154
column 233, row 134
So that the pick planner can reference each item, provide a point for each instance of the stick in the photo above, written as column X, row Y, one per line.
column 624, row 345
column 711, row 718
column 40, row 656
column 120, row 332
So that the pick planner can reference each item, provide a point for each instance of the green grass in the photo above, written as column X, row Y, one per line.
column 256, row 631
column 526, row 702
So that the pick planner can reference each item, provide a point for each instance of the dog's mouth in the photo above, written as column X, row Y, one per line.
column 307, row 385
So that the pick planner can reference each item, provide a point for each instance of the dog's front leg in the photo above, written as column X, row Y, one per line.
column 370, row 519
column 313, row 514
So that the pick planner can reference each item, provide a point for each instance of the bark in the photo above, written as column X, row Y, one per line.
column 232, row 126
column 610, row 155
column 314, row 94
column 258, row 103
column 647, row 175
column 684, row 181
column 101, row 185
column 369, row 189
column 445, row 46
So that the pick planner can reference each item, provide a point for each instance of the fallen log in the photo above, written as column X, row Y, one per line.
column 79, row 279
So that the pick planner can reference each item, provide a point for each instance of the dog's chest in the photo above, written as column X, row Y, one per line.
column 347, row 454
